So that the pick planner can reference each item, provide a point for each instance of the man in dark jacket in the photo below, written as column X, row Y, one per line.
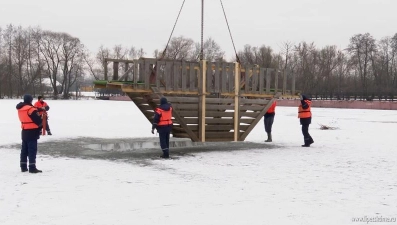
column 31, row 124
column 305, row 117
column 163, row 123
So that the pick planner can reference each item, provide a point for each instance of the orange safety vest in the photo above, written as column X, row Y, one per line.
column 26, row 122
column 305, row 113
column 38, row 104
column 165, row 118
column 272, row 108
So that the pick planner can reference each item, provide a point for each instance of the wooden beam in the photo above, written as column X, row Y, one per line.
column 202, row 102
column 236, row 102
column 119, row 60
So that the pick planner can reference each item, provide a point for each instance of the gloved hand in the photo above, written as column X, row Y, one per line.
column 152, row 131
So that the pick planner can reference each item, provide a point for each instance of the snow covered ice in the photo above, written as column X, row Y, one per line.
column 348, row 173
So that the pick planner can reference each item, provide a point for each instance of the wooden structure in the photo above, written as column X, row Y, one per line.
column 212, row 101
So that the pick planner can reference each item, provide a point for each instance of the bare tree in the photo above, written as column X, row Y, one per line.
column 212, row 51
column 50, row 47
column 179, row 48
column 361, row 47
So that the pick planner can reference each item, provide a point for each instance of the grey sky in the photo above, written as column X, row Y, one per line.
column 148, row 23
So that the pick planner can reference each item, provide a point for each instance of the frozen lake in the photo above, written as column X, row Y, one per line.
column 348, row 173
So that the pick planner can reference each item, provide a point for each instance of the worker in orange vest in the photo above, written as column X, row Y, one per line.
column 43, row 107
column 163, row 123
column 31, row 126
column 269, row 119
column 305, row 117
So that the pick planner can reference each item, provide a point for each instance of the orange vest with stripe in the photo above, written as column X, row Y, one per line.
column 26, row 122
column 165, row 118
column 305, row 113
column 272, row 108
column 39, row 104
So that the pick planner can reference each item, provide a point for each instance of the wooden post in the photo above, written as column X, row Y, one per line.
column 105, row 67
column 268, row 80
column 276, row 72
column 126, row 71
column 202, row 99
column 115, row 70
column 236, row 100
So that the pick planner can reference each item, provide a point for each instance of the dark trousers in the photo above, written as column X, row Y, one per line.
column 269, row 123
column 47, row 128
column 29, row 150
column 164, row 133
column 306, row 136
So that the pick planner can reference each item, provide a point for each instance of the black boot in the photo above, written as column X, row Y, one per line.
column 307, row 142
column 33, row 169
column 165, row 154
column 24, row 167
column 49, row 132
column 269, row 137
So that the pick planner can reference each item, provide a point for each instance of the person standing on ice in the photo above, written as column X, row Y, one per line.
column 305, row 116
column 31, row 125
column 43, row 107
column 163, row 123
column 268, row 120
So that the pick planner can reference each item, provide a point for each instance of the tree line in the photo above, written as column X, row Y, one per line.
column 38, row 61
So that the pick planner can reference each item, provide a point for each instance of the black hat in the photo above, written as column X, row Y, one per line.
column 27, row 98
column 163, row 100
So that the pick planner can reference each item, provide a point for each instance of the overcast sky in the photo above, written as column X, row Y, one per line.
column 148, row 23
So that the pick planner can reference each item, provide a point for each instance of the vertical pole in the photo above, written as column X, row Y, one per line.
column 293, row 83
column 284, row 82
column 236, row 100
column 202, row 100
column 202, row 31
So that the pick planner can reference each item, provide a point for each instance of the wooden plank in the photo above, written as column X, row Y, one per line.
column 219, row 134
column 168, row 75
column 276, row 73
column 224, row 77
column 261, row 80
column 231, row 76
column 254, row 101
column 159, row 75
column 218, row 114
column 184, row 106
column 136, row 73
column 219, row 100
column 192, row 77
column 217, row 77
column 176, row 76
column 258, row 118
column 184, row 76
column 247, row 78
column 237, row 112
column 218, row 127
column 255, row 81
column 119, row 60
column 147, row 73
column 173, row 99
column 202, row 90
column 268, row 79
column 209, row 78
column 115, row 70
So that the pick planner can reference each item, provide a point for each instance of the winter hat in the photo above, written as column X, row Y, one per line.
column 163, row 101
column 27, row 98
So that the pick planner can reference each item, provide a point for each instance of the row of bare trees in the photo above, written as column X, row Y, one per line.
column 35, row 61
column 366, row 69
